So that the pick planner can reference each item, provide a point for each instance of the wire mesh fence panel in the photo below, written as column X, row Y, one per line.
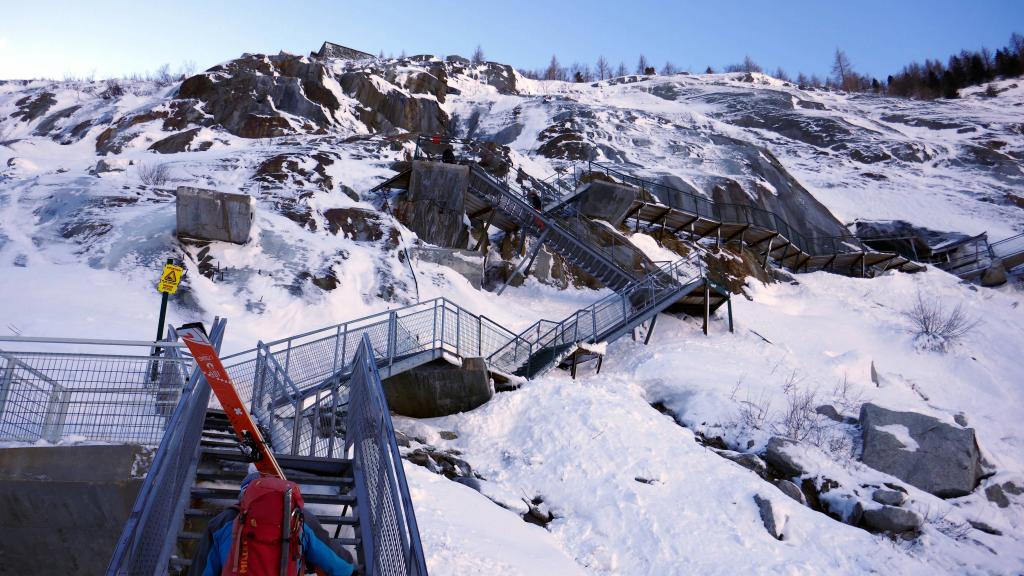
column 450, row 328
column 144, row 546
column 55, row 396
column 243, row 374
column 414, row 332
column 384, row 505
column 308, row 363
column 470, row 345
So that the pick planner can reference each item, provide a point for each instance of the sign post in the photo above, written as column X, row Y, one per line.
column 248, row 434
column 168, row 284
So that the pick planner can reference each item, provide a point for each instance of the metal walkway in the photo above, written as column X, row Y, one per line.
column 360, row 494
column 755, row 228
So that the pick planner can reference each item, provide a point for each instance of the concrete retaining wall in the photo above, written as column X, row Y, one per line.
column 212, row 215
column 435, row 205
column 439, row 389
column 62, row 508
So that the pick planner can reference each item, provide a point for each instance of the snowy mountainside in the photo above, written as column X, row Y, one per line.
column 84, row 227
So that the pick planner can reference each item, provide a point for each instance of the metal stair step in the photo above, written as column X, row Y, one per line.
column 324, row 519
column 298, row 478
column 232, row 494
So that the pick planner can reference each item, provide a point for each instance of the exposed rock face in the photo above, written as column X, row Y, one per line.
column 361, row 225
column 892, row 519
column 606, row 201
column 774, row 519
column 179, row 142
column 941, row 458
column 776, row 190
column 749, row 461
column 32, row 107
column 297, row 170
column 791, row 490
column 385, row 111
column 889, row 497
column 247, row 95
column 778, row 457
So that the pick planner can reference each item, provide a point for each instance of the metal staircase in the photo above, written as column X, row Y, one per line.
column 557, row 230
column 541, row 346
column 761, row 230
column 327, row 486
column 358, row 495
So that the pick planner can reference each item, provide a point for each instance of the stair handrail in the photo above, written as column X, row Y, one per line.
column 387, row 520
column 1007, row 246
column 560, row 329
column 144, row 546
column 776, row 223
column 543, row 221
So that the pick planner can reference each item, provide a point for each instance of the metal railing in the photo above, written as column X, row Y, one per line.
column 551, row 189
column 297, row 386
column 540, row 346
column 58, row 395
column 739, row 214
column 573, row 234
column 1008, row 248
column 148, row 537
column 390, row 535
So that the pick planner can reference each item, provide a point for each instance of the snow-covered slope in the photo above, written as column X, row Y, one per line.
column 630, row 489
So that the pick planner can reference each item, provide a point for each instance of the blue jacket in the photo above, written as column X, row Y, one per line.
column 317, row 554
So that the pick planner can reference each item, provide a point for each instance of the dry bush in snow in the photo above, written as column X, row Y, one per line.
column 936, row 329
column 154, row 174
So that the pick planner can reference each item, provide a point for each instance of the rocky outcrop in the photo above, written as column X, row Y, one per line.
column 297, row 170
column 384, row 111
column 180, row 142
column 891, row 519
column 32, row 107
column 778, row 457
column 773, row 518
column 940, row 458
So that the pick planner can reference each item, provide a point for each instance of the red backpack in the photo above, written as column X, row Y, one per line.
column 266, row 539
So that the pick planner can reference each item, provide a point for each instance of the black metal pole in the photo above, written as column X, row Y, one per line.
column 160, row 326
column 163, row 312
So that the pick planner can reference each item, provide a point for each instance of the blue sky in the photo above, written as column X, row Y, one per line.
column 48, row 38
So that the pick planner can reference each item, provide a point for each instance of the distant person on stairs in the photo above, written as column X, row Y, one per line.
column 219, row 553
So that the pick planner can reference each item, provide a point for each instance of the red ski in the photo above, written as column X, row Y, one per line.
column 245, row 428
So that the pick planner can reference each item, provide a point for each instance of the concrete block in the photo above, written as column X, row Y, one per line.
column 212, row 215
column 607, row 201
column 467, row 263
column 435, row 205
column 439, row 389
column 62, row 508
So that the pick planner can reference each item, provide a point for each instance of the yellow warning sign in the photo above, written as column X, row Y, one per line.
column 170, row 278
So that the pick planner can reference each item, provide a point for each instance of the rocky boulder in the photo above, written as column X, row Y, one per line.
column 772, row 516
column 892, row 519
column 779, row 458
column 940, row 458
